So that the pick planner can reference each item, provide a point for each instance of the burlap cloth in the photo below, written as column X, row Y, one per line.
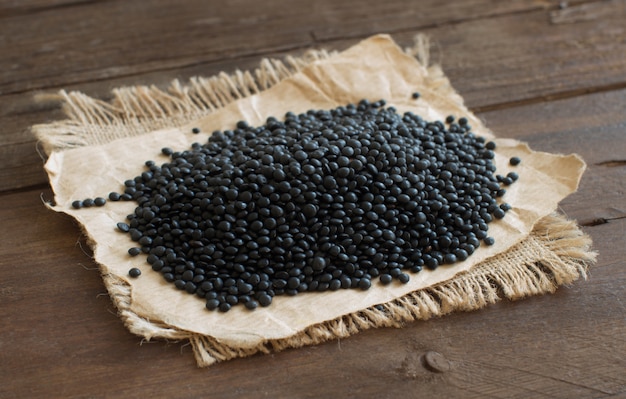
column 537, row 249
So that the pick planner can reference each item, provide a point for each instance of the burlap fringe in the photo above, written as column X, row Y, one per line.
column 555, row 253
column 141, row 109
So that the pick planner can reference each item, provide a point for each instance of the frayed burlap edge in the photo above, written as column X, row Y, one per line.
column 141, row 109
column 555, row 253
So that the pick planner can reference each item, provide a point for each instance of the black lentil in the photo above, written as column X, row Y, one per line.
column 507, row 180
column 415, row 95
column 385, row 278
column 498, row 213
column 404, row 278
column 324, row 200
column 515, row 161
column 134, row 251
column 124, row 227
column 195, row 130
column 364, row 283
column 134, row 272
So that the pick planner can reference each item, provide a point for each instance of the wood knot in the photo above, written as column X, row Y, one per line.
column 436, row 362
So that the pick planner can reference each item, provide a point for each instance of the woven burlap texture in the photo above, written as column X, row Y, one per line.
column 555, row 253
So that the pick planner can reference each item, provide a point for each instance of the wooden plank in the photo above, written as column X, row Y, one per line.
column 64, row 331
column 13, row 7
column 112, row 39
column 104, row 40
column 344, row 20
column 520, row 58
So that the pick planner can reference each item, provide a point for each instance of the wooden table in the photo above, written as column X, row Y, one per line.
column 552, row 74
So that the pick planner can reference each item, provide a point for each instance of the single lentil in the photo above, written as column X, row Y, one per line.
column 124, row 227
column 385, row 278
column 498, row 213
column 324, row 200
column 515, row 161
column 404, row 278
column 134, row 272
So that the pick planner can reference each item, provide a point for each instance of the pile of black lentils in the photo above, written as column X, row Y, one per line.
column 324, row 200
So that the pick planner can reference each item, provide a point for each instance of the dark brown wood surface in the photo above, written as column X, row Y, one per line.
column 552, row 74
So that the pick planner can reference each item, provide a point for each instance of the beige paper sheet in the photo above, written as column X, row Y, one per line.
column 376, row 68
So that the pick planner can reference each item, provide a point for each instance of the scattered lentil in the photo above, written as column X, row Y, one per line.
column 515, row 161
column 134, row 272
column 134, row 251
column 124, row 227
column 323, row 200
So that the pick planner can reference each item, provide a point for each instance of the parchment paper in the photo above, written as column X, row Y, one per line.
column 375, row 68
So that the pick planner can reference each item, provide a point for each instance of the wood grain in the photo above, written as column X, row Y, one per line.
column 14, row 7
column 528, row 66
column 111, row 39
